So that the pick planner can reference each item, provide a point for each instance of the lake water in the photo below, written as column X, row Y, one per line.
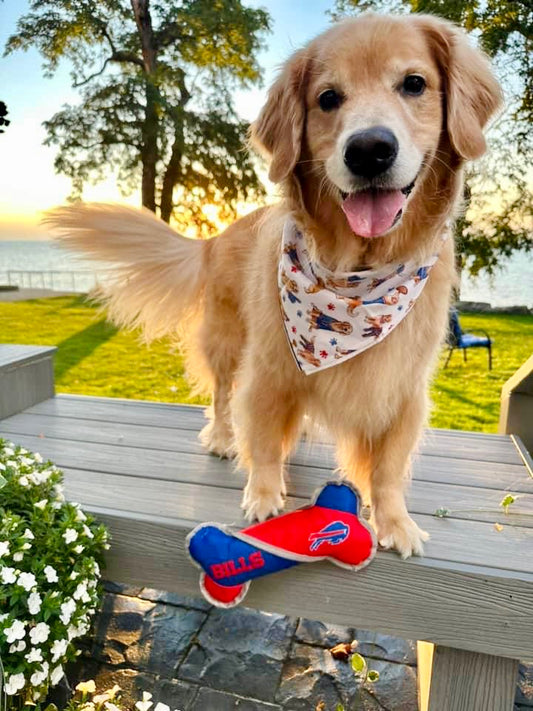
column 511, row 286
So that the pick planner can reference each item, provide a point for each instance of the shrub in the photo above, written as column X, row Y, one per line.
column 50, row 556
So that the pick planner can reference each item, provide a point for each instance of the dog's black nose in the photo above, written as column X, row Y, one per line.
column 371, row 152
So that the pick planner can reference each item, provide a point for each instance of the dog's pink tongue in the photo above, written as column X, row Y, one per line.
column 372, row 212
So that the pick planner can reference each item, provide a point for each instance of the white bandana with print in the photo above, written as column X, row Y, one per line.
column 330, row 317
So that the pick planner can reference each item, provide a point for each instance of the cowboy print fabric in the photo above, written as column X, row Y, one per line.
column 330, row 317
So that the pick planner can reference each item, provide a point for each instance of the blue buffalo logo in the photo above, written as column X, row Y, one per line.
column 334, row 533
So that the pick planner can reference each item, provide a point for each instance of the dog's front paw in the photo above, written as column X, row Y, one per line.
column 218, row 440
column 259, row 503
column 403, row 534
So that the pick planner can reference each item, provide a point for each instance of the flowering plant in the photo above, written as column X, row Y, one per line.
column 86, row 699
column 111, row 700
column 50, row 553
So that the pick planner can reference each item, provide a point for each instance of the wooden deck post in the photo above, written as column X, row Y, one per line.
column 458, row 680
column 516, row 412
column 26, row 377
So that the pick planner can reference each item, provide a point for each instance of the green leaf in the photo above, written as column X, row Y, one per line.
column 339, row 707
column 507, row 501
column 358, row 663
column 372, row 676
column 3, row 481
column 442, row 512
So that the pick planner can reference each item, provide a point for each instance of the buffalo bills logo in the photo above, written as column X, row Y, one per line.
column 334, row 533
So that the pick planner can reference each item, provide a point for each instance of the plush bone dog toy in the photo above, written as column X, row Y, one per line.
column 328, row 529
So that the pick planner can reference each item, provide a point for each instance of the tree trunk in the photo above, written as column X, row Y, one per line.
column 150, row 129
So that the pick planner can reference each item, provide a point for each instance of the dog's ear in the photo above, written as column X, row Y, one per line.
column 472, row 93
column 278, row 131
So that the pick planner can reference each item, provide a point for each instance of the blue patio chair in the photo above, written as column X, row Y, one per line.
column 457, row 338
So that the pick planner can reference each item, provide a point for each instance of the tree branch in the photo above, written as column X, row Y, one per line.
column 185, row 94
column 120, row 57
column 77, row 84
column 167, row 35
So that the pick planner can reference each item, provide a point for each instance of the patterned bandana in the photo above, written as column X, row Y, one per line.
column 330, row 316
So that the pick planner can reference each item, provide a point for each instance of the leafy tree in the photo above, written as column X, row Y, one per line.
column 3, row 113
column 498, row 195
column 155, row 78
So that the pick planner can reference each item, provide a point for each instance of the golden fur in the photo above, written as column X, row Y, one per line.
column 375, row 404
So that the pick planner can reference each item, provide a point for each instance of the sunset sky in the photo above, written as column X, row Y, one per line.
column 28, row 183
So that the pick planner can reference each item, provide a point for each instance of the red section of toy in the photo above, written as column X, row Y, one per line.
column 330, row 528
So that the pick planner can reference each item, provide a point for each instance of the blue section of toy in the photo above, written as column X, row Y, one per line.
column 230, row 561
column 339, row 496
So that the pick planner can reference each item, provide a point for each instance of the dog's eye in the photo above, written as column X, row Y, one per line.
column 414, row 85
column 329, row 99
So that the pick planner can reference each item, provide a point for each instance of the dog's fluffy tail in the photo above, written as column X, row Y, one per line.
column 153, row 277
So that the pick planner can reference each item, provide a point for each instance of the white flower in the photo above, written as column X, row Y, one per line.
column 24, row 481
column 17, row 557
column 79, row 549
column 39, row 633
column 28, row 534
column 38, row 457
column 14, row 683
column 40, row 477
column 34, row 603
column 87, row 531
column 51, row 574
column 70, row 535
column 74, row 631
column 16, row 631
column 26, row 547
column 81, row 593
column 2, row 467
column 17, row 647
column 8, row 575
column 161, row 707
column 86, row 687
column 59, row 648
column 56, row 675
column 4, row 548
column 145, row 704
column 8, row 452
column 12, row 463
column 37, row 678
column 27, row 581
column 23, row 451
column 41, row 504
column 73, row 575
column 67, row 608
column 80, row 516
column 34, row 656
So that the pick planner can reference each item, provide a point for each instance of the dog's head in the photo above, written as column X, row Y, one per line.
column 367, row 111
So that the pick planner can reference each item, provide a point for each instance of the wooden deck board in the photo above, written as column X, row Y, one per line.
column 497, row 447
column 438, row 462
column 139, row 467
column 412, row 599
column 509, row 549
column 187, row 459
column 144, row 470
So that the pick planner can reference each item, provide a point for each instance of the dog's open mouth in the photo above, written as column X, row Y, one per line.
column 373, row 211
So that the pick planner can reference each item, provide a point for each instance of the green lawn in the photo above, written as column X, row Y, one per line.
column 94, row 358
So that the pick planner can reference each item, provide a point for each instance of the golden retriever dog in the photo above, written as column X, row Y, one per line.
column 366, row 129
